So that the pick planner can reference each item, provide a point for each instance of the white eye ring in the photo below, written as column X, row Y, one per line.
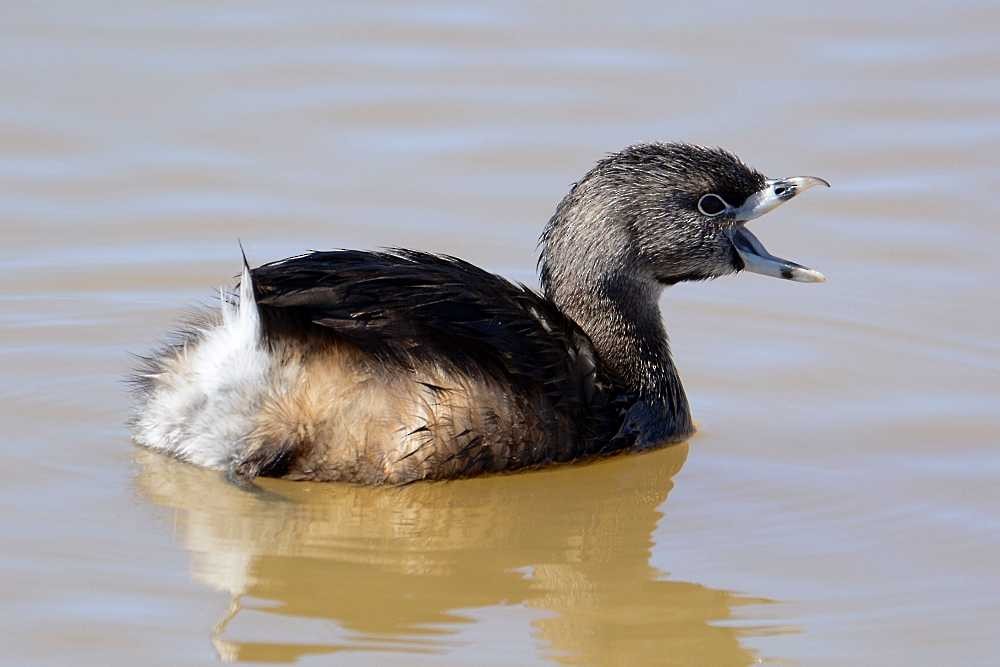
column 701, row 207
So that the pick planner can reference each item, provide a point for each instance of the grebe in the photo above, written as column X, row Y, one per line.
column 396, row 366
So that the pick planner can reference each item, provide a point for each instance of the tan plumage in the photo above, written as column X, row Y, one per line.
column 340, row 417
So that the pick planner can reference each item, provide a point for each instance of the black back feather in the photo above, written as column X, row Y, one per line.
column 406, row 307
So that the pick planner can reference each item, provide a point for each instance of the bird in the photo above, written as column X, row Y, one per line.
column 395, row 366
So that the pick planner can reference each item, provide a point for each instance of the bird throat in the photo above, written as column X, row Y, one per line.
column 621, row 315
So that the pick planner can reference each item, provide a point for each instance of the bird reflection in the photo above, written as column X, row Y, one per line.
column 395, row 568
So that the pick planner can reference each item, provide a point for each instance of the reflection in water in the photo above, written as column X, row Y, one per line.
column 393, row 568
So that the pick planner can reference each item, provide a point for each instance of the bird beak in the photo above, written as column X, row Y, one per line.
column 755, row 257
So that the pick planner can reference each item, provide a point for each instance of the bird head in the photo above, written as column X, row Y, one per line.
column 677, row 212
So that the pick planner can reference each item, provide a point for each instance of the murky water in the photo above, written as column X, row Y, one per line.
column 840, row 504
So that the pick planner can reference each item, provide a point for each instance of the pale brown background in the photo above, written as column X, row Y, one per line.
column 840, row 504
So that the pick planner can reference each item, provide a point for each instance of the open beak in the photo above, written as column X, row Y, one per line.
column 755, row 257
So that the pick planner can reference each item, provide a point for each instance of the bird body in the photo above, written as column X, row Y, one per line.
column 397, row 366
column 378, row 368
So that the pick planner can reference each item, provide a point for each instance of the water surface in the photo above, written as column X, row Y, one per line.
column 840, row 503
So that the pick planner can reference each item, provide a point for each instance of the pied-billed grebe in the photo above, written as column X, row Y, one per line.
column 396, row 366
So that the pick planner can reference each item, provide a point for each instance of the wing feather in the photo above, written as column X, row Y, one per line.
column 413, row 306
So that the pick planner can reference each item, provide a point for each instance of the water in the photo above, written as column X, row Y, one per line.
column 839, row 504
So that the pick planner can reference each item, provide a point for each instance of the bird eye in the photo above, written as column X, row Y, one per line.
column 712, row 205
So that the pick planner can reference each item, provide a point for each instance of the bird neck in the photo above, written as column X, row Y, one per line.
column 621, row 316
column 619, row 311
